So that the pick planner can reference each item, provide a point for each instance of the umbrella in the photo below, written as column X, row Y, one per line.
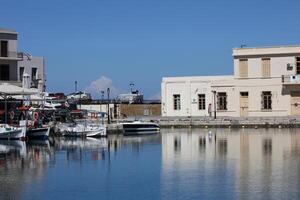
column 11, row 90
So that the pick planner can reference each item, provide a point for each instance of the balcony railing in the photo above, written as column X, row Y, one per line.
column 11, row 55
column 290, row 79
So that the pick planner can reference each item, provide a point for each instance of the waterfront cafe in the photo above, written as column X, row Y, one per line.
column 13, row 97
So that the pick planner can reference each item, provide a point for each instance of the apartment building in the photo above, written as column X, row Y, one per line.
column 266, row 82
column 14, row 64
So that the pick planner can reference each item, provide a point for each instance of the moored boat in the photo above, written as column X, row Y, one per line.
column 38, row 133
column 12, row 132
column 82, row 130
column 140, row 128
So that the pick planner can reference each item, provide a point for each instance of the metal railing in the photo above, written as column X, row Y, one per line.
column 290, row 79
column 11, row 54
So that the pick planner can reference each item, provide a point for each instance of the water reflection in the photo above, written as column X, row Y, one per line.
column 21, row 163
column 177, row 164
column 231, row 164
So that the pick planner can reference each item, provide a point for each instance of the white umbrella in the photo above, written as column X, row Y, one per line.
column 11, row 90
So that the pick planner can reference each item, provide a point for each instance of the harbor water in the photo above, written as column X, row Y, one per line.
column 176, row 164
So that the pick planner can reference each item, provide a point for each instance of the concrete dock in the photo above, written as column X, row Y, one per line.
column 229, row 122
column 222, row 122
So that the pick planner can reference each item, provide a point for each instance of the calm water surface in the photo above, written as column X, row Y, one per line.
column 177, row 164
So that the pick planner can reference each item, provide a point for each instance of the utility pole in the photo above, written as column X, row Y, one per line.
column 108, row 114
column 131, row 86
column 215, row 104
column 75, row 86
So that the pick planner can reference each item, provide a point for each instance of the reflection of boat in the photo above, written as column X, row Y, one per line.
column 85, row 143
column 83, row 130
column 12, row 132
column 38, row 133
column 140, row 128
column 12, row 145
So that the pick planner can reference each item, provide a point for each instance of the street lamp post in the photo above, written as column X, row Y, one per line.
column 75, row 86
column 102, row 96
column 215, row 104
column 108, row 114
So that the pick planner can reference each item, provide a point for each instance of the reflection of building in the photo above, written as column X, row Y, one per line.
column 14, row 64
column 249, row 162
column 266, row 82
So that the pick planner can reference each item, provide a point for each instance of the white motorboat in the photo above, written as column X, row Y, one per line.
column 83, row 130
column 140, row 128
column 38, row 133
column 12, row 132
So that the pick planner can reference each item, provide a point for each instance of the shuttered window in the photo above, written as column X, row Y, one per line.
column 243, row 68
column 297, row 65
column 265, row 67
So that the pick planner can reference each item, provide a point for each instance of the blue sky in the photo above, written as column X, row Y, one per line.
column 144, row 40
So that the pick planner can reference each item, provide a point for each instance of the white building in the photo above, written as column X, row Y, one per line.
column 266, row 82
column 35, row 68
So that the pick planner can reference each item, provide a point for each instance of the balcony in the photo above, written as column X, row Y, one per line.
column 11, row 55
column 290, row 79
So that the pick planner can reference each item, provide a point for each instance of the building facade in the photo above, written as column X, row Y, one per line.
column 266, row 82
column 35, row 68
column 9, row 56
column 14, row 64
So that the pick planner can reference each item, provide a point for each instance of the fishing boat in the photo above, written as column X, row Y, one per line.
column 140, row 128
column 82, row 130
column 38, row 133
column 12, row 132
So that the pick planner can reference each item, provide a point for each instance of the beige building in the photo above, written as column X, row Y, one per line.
column 14, row 64
column 266, row 82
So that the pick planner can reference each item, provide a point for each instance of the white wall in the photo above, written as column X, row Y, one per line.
column 188, row 88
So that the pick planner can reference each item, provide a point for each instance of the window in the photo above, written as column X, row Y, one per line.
column 298, row 65
column 201, row 100
column 243, row 68
column 265, row 67
column 21, row 72
column 177, row 104
column 266, row 100
column 4, row 72
column 222, row 101
column 4, row 48
column 33, row 74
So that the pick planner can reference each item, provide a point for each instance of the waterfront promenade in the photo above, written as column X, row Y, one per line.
column 223, row 122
